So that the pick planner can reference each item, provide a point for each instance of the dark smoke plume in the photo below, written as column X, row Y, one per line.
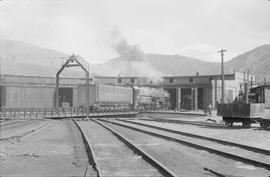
column 123, row 48
column 135, row 57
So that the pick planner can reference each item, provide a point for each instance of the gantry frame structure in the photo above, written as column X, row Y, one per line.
column 72, row 61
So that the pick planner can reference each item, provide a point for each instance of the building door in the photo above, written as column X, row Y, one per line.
column 65, row 97
column 200, row 98
column 186, row 98
column 172, row 92
column 2, row 96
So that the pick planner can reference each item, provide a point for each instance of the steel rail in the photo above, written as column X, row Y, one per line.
column 11, row 123
column 197, row 146
column 151, row 160
column 250, row 148
column 90, row 151
column 17, row 124
column 186, row 122
column 26, row 133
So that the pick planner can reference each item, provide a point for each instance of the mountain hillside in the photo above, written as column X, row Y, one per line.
column 159, row 64
column 21, row 58
column 256, row 60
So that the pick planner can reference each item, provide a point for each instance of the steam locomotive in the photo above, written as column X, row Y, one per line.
column 122, row 98
column 146, row 98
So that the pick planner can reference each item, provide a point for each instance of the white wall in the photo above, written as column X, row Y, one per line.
column 29, row 97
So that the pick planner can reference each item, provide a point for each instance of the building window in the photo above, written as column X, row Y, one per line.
column 119, row 80
column 171, row 80
column 132, row 80
column 190, row 79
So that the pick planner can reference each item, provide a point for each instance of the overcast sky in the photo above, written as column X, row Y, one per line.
column 197, row 28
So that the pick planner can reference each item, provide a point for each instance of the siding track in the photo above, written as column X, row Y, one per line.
column 254, row 158
column 249, row 148
column 189, row 123
column 19, row 130
column 133, row 154
column 16, row 124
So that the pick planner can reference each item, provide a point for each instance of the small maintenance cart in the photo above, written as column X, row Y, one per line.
column 247, row 113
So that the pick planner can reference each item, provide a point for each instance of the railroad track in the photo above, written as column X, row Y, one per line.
column 9, row 122
column 248, row 155
column 158, row 167
column 90, row 152
column 245, row 147
column 16, row 124
column 197, row 123
column 159, row 162
column 216, row 125
column 17, row 135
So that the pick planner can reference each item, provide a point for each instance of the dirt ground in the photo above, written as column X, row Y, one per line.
column 186, row 161
column 256, row 137
column 55, row 150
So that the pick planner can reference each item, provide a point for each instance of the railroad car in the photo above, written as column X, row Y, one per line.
column 247, row 113
column 106, row 97
column 113, row 98
column 261, row 95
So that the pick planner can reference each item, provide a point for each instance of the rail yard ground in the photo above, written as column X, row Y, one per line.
column 187, row 145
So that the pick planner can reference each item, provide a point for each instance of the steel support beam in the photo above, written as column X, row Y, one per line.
column 72, row 59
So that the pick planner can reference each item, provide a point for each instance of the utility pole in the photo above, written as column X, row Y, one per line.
column 222, row 74
column 247, row 88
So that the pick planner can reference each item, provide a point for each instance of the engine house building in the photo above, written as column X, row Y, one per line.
column 198, row 92
column 36, row 92
column 186, row 92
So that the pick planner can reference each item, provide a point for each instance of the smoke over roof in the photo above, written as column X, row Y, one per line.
column 123, row 48
column 133, row 57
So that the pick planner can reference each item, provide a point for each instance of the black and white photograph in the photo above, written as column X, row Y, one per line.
column 135, row 88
